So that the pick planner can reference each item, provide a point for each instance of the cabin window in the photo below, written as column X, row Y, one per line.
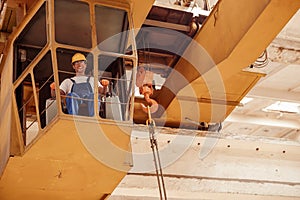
column 27, row 109
column 65, row 71
column 111, row 28
column 43, row 76
column 31, row 94
column 72, row 23
column 31, row 112
column 30, row 42
column 115, row 105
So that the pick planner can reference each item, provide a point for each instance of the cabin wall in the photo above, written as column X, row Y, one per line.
column 5, row 110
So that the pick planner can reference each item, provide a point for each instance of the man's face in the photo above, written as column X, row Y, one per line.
column 79, row 66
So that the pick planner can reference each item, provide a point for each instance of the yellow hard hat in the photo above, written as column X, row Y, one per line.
column 78, row 57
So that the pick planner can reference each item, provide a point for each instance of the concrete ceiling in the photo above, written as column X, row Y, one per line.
column 282, row 83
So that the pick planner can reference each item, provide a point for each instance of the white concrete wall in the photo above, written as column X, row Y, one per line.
column 244, row 167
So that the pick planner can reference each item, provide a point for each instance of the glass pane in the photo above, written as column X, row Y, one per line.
column 129, row 78
column 43, row 75
column 30, row 42
column 111, row 27
column 78, row 93
column 114, row 104
column 27, row 110
column 72, row 23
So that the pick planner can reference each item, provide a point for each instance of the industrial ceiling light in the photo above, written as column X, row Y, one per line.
column 283, row 107
column 246, row 100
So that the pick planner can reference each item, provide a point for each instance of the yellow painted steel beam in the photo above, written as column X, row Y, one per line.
column 233, row 36
column 140, row 10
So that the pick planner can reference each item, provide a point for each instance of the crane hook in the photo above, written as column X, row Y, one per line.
column 147, row 91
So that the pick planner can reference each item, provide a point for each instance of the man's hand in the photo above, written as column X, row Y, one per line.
column 104, row 82
column 52, row 86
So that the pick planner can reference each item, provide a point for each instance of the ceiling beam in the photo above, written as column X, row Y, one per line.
column 274, row 94
column 282, row 54
column 263, row 121
column 168, row 25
